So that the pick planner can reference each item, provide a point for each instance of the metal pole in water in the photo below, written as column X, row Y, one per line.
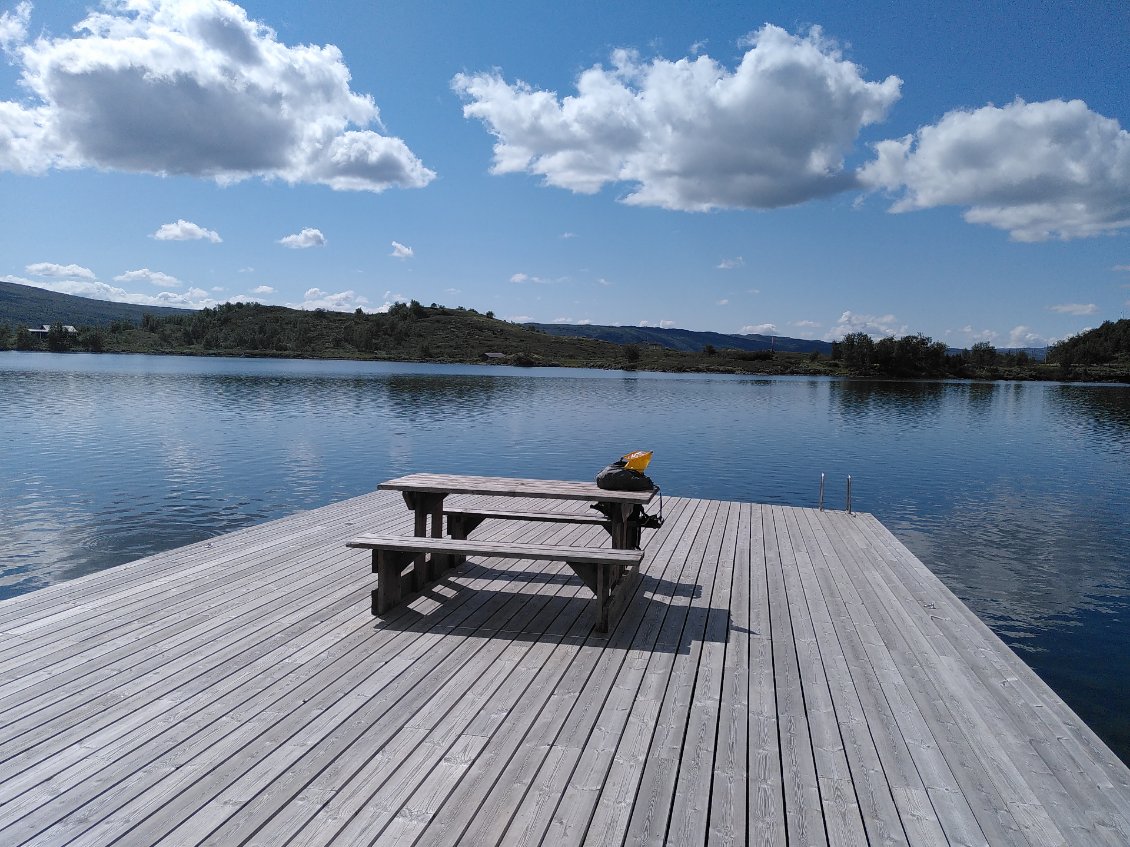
column 821, row 491
column 849, row 494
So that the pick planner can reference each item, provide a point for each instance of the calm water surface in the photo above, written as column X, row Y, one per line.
column 1015, row 494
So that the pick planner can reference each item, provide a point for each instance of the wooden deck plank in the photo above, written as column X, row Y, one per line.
column 998, row 698
column 164, row 698
column 690, row 812
column 158, row 597
column 778, row 674
column 276, row 779
column 568, row 722
column 669, row 684
column 886, row 819
column 160, row 645
column 187, row 635
column 411, row 738
column 921, row 777
column 212, row 729
column 1076, row 752
column 378, row 743
column 729, row 792
column 805, row 824
column 839, row 783
column 591, row 779
column 63, row 594
column 766, row 815
column 1010, row 761
column 490, row 795
column 996, row 790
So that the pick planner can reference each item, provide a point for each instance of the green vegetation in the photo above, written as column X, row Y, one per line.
column 407, row 332
column 1102, row 353
column 413, row 332
column 919, row 356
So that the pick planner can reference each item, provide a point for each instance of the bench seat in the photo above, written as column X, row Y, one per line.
column 601, row 568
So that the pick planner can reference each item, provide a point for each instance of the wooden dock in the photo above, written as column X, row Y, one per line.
column 781, row 676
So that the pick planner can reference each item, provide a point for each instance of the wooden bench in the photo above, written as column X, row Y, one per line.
column 601, row 569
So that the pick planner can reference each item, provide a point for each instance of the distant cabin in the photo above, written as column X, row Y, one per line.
column 43, row 329
column 494, row 355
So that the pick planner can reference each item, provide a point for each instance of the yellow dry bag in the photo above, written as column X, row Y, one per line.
column 637, row 461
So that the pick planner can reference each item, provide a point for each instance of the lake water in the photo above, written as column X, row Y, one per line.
column 1015, row 494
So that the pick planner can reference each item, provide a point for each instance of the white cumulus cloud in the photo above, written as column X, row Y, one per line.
column 183, row 230
column 520, row 278
column 153, row 277
column 873, row 325
column 54, row 270
column 401, row 251
column 1075, row 308
column 1045, row 170
column 758, row 329
column 730, row 264
column 342, row 301
column 972, row 335
column 1022, row 336
column 13, row 26
column 195, row 88
column 309, row 237
column 262, row 289
column 691, row 134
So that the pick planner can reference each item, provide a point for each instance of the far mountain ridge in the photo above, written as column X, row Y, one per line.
column 687, row 340
column 26, row 305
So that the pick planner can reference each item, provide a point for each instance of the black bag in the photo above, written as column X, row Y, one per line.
column 617, row 477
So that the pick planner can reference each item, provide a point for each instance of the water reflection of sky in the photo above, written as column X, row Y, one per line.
column 1014, row 493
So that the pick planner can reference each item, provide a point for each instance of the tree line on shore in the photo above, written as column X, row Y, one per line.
column 411, row 331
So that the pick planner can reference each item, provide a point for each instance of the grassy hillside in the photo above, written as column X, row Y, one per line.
column 408, row 332
column 25, row 305
column 1108, row 344
column 415, row 333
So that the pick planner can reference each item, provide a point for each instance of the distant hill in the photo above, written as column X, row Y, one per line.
column 26, row 305
column 685, row 339
column 1099, row 346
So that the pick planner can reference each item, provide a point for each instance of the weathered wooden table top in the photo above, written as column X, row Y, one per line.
column 499, row 486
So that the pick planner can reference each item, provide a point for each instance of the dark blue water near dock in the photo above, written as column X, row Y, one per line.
column 1016, row 494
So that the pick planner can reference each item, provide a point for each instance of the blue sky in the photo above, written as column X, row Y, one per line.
column 806, row 169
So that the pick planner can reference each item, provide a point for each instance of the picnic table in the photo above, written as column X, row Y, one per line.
column 424, row 494
column 621, row 513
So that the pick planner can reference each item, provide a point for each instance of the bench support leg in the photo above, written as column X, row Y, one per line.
column 459, row 527
column 388, row 565
column 602, row 580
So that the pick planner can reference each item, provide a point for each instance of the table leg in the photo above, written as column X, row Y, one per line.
column 426, row 507
column 625, row 529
